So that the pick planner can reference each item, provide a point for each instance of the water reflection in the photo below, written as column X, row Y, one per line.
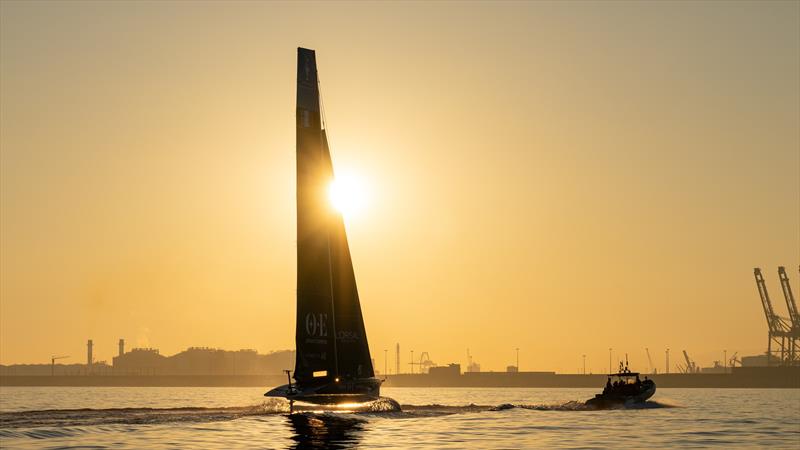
column 326, row 430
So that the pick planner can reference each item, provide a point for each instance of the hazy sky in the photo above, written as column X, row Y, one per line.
column 558, row 177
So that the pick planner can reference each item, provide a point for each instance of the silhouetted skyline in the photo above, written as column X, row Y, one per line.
column 541, row 176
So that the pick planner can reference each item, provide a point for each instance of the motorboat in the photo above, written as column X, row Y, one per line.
column 626, row 389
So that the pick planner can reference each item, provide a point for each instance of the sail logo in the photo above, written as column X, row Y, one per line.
column 347, row 335
column 317, row 324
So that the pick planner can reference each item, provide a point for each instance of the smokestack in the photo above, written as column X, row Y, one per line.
column 121, row 347
column 89, row 353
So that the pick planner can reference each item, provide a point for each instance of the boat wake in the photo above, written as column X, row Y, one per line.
column 384, row 407
column 128, row 416
column 136, row 416
column 581, row 406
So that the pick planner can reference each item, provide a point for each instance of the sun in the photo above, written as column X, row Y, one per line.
column 348, row 194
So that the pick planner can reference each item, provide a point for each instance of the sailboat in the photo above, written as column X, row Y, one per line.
column 332, row 362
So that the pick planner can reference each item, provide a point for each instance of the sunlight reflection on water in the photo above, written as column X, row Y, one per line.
column 431, row 418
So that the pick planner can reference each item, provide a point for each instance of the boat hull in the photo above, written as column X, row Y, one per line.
column 611, row 399
column 333, row 393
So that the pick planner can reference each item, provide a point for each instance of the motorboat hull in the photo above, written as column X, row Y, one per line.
column 608, row 400
column 332, row 393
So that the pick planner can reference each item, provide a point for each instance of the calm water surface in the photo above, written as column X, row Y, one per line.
column 65, row 417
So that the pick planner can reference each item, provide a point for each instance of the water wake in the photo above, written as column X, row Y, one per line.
column 135, row 416
column 568, row 406
column 131, row 416
column 581, row 406
column 383, row 407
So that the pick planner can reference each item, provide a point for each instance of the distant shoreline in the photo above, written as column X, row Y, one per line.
column 144, row 380
column 741, row 377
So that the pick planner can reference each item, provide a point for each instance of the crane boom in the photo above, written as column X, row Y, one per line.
column 53, row 363
column 649, row 360
column 775, row 323
column 691, row 367
column 790, row 303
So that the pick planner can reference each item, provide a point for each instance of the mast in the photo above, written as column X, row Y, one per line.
column 315, row 332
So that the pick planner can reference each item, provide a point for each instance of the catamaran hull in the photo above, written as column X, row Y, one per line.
column 355, row 391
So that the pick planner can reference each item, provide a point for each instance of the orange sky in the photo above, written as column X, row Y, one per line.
column 558, row 177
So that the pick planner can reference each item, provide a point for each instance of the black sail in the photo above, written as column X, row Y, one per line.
column 352, row 349
column 330, row 337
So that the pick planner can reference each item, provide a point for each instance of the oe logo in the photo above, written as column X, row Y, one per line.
column 317, row 324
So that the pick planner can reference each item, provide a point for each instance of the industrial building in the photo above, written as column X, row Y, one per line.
column 149, row 362
column 202, row 361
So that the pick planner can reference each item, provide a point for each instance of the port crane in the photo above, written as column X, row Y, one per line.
column 653, row 369
column 734, row 360
column 778, row 328
column 691, row 367
column 424, row 363
column 53, row 363
column 794, row 318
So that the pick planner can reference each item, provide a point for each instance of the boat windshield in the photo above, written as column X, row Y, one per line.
column 624, row 374
column 626, row 378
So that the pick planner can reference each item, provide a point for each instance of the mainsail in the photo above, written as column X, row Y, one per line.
column 330, row 337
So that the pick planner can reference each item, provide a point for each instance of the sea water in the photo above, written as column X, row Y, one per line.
column 149, row 417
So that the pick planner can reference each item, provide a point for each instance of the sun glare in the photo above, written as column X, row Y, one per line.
column 348, row 194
